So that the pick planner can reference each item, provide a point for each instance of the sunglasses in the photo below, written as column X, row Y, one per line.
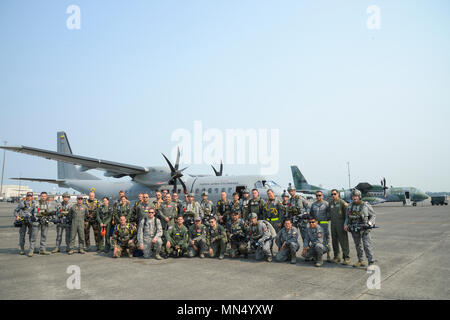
column 334, row 194
column 312, row 222
column 319, row 195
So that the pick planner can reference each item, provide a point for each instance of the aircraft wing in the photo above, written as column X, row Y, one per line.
column 113, row 168
column 40, row 180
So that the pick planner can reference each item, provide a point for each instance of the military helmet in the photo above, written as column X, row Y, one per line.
column 246, row 191
column 204, row 193
column 291, row 187
column 253, row 215
column 191, row 195
column 285, row 194
column 66, row 194
column 356, row 192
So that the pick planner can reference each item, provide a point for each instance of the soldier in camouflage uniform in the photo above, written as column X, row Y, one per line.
column 77, row 212
column 235, row 207
column 197, row 239
column 237, row 233
column 104, row 216
column 62, row 222
column 245, row 205
column 143, row 207
column 298, row 209
column 284, row 206
column 338, row 212
column 256, row 204
column 223, row 209
column 260, row 238
column 124, row 238
column 287, row 242
column 358, row 214
column 191, row 210
column 91, row 221
column 122, row 209
column 25, row 213
column 44, row 211
column 158, row 201
column 320, row 209
column 139, row 201
column 272, row 211
column 216, row 239
column 149, row 235
column 177, row 239
column 313, row 247
column 206, row 208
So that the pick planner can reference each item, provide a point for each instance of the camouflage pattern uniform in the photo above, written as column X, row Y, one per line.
column 190, row 211
column 76, row 215
column 272, row 211
column 91, row 220
column 149, row 228
column 44, row 211
column 314, row 240
column 297, row 209
column 63, row 225
column 104, row 216
column 321, row 212
column 121, row 237
column 206, row 211
column 27, row 212
column 358, row 213
column 198, row 235
column 257, row 206
column 237, row 233
column 338, row 212
column 245, row 208
column 290, row 238
column 180, row 206
column 260, row 237
column 178, row 236
column 216, row 239
column 223, row 211
column 122, row 210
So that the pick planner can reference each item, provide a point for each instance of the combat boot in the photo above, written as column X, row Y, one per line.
column 319, row 261
column 221, row 257
column 202, row 255
column 269, row 259
column 56, row 250
column 158, row 257
column 328, row 257
column 360, row 264
column 294, row 260
column 70, row 251
column 30, row 253
column 336, row 260
column 346, row 261
column 45, row 252
column 22, row 252
column 81, row 251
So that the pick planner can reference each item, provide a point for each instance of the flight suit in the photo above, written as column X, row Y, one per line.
column 297, row 209
column 198, row 235
column 167, row 210
column 338, row 211
column 223, row 211
column 237, row 233
column 26, row 211
column 180, row 206
column 135, row 212
column 290, row 238
column 314, row 240
column 178, row 236
column 257, row 206
column 206, row 211
column 358, row 213
column 260, row 238
column 122, row 210
column 320, row 211
column 76, row 216
column 149, row 228
column 91, row 221
column 44, row 211
column 63, row 224
column 156, row 204
column 272, row 210
column 216, row 239
column 121, row 238
column 104, row 216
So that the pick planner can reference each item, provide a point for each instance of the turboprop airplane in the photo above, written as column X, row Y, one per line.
column 72, row 174
column 371, row 193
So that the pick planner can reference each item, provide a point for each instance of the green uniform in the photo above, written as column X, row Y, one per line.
column 272, row 214
column 216, row 239
column 178, row 236
column 90, row 220
column 198, row 235
column 223, row 211
column 104, row 216
column 122, row 210
column 237, row 233
column 257, row 206
column 121, row 239
column 77, row 214
column 167, row 210
column 338, row 210
column 245, row 208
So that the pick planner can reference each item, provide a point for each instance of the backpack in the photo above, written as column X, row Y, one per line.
column 372, row 214
column 273, row 233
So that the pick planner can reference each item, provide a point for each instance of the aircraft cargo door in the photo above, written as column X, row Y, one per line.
column 407, row 199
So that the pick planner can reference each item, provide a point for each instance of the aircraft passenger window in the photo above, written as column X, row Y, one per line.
column 216, row 190
column 196, row 191
column 209, row 190
column 223, row 190
column 230, row 190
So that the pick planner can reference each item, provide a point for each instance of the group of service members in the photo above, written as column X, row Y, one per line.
column 169, row 227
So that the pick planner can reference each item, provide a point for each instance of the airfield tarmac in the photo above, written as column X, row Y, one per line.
column 411, row 249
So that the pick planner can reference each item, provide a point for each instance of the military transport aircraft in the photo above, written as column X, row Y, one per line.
column 371, row 193
column 72, row 174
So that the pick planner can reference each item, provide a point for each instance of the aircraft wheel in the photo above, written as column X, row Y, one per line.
column 414, row 204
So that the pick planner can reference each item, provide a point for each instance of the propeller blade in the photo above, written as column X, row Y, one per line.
column 215, row 171
column 221, row 168
column 177, row 163
column 170, row 164
column 184, row 186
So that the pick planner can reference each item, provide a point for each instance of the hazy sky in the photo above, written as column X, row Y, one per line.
column 137, row 71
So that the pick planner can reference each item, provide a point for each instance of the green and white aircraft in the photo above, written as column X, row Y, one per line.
column 371, row 193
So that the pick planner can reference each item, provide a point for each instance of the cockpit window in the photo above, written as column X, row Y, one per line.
column 258, row 185
column 272, row 184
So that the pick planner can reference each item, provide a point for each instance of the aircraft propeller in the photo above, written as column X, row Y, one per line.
column 176, row 174
column 383, row 184
column 218, row 173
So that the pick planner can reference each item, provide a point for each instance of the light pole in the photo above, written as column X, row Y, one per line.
column 3, row 170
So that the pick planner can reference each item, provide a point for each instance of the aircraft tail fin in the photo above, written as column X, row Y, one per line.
column 300, row 181
column 68, row 170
